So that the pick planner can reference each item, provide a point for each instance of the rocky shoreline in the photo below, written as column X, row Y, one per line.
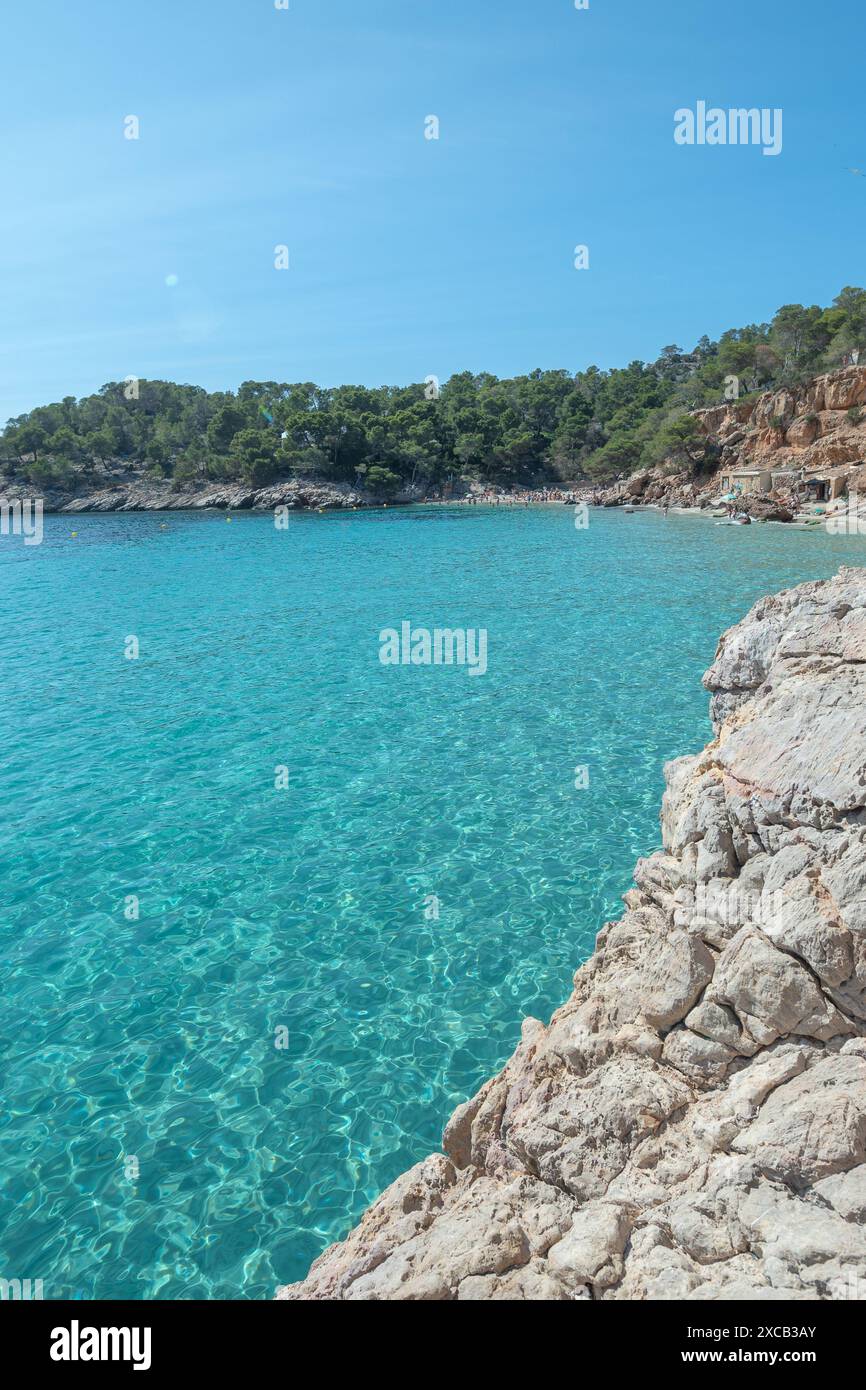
column 128, row 491
column 692, row 1122
column 793, row 433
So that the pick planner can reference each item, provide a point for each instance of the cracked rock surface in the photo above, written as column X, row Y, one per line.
column 692, row 1122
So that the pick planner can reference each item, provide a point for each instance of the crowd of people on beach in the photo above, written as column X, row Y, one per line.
column 520, row 497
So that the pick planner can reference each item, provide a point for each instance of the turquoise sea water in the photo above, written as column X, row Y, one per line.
column 154, row 1141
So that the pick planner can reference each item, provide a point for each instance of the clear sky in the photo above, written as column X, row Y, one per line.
column 410, row 256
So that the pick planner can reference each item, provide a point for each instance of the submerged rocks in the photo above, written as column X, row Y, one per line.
column 692, row 1122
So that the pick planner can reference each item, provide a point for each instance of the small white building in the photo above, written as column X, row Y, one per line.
column 746, row 480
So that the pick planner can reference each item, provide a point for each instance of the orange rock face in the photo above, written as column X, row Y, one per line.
column 804, row 427
column 810, row 427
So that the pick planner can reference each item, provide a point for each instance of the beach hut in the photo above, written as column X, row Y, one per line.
column 747, row 480
column 826, row 484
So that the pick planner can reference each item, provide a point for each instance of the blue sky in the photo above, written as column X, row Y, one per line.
column 409, row 257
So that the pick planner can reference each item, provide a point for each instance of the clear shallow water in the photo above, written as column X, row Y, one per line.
column 153, row 1039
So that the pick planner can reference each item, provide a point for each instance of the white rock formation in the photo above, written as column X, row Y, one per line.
column 692, row 1123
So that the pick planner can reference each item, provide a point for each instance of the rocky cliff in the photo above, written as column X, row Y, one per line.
column 692, row 1122
column 127, row 489
column 818, row 425
column 813, row 427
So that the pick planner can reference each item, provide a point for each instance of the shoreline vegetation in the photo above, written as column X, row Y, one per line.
column 154, row 445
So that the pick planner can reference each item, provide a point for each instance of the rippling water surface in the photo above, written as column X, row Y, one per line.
column 154, row 1139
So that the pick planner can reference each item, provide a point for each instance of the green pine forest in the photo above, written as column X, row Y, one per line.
column 544, row 427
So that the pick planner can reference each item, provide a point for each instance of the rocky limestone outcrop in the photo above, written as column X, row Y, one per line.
column 126, row 490
column 816, row 426
column 692, row 1122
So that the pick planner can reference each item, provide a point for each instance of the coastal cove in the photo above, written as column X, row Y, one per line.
column 305, row 908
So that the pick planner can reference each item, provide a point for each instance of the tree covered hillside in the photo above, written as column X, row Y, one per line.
column 543, row 426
